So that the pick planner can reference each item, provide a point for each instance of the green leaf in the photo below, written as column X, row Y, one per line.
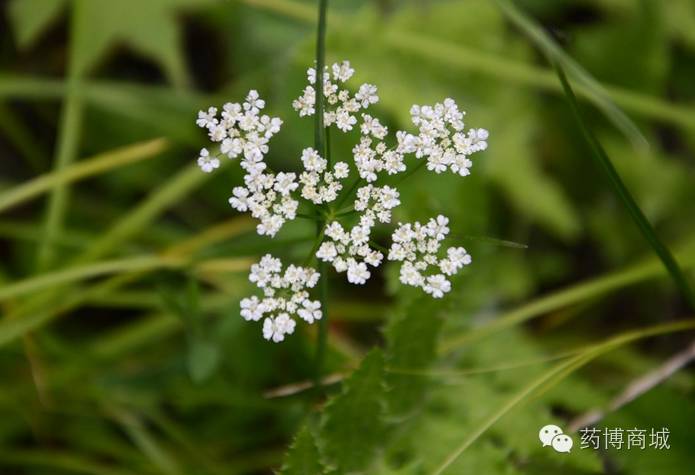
column 411, row 347
column 303, row 456
column 149, row 28
column 30, row 18
column 353, row 426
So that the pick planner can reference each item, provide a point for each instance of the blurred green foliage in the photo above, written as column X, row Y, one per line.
column 125, row 353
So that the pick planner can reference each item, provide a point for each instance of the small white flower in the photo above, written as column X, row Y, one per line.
column 357, row 272
column 253, row 101
column 342, row 72
column 207, row 118
column 341, row 170
column 285, row 183
column 344, row 121
column 276, row 328
column 311, row 311
column 327, row 251
column 251, row 309
column 206, row 162
column 437, row 286
column 367, row 95
column 240, row 199
column 312, row 160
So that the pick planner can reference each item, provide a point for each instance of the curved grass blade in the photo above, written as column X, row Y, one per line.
column 601, row 158
column 594, row 91
column 92, row 166
column 75, row 274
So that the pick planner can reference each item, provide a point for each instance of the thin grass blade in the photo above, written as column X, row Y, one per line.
column 601, row 158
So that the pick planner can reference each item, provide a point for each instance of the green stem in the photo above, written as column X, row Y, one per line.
column 320, row 145
column 308, row 216
column 319, row 128
column 619, row 188
column 412, row 170
column 344, row 197
column 321, row 226
column 68, row 143
column 328, row 147
column 378, row 247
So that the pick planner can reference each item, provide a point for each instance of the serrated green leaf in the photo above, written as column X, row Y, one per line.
column 303, row 457
column 353, row 425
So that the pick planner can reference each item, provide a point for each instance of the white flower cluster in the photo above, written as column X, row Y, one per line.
column 442, row 138
column 376, row 203
column 370, row 161
column 318, row 184
column 417, row 246
column 349, row 251
column 267, row 196
column 341, row 107
column 284, row 297
column 241, row 129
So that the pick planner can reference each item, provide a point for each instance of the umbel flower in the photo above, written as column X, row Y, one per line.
column 440, row 138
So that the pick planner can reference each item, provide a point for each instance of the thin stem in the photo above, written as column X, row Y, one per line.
column 411, row 171
column 378, row 247
column 349, row 192
column 602, row 159
column 317, row 243
column 319, row 128
column 328, row 146
column 320, row 146
column 308, row 216
column 345, row 212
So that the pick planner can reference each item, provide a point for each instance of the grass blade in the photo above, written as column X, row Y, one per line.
column 74, row 274
column 68, row 140
column 601, row 158
column 594, row 91
column 69, row 131
column 86, row 168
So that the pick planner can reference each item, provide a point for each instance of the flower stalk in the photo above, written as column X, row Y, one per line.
column 320, row 145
